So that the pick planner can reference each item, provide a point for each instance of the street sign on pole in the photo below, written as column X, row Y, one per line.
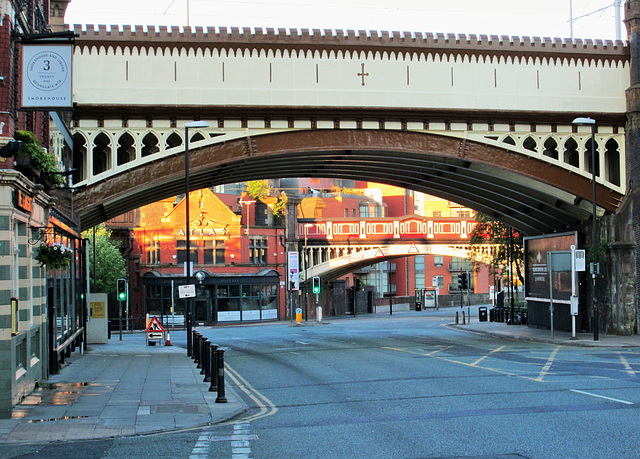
column 187, row 291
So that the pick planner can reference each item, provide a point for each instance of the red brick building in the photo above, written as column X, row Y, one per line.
column 239, row 257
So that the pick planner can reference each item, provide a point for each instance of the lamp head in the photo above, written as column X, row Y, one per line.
column 584, row 121
column 196, row 124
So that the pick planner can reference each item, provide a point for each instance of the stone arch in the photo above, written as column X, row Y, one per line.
column 612, row 161
column 126, row 149
column 571, row 154
column 79, row 161
column 101, row 153
column 172, row 140
column 550, row 148
column 587, row 157
column 150, row 144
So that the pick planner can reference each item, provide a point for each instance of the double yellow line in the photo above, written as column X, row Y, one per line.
column 266, row 406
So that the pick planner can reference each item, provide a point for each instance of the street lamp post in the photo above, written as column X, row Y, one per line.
column 248, row 203
column 594, row 267
column 187, row 126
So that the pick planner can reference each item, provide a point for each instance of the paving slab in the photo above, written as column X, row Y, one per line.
column 120, row 388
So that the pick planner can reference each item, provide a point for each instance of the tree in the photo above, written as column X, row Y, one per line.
column 110, row 264
column 497, row 234
column 258, row 189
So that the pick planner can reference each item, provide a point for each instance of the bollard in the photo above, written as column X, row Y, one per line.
column 193, row 337
column 199, row 348
column 196, row 357
column 205, row 346
column 214, row 368
column 456, row 317
column 221, row 396
column 207, row 362
column 194, row 352
column 463, row 320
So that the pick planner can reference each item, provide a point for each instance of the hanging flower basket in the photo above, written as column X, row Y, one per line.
column 54, row 256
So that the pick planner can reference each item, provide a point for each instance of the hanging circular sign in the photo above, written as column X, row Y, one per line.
column 47, row 71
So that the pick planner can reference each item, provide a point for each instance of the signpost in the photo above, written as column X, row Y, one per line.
column 155, row 331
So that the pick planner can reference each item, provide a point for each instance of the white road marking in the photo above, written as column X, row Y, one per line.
column 241, row 448
column 601, row 396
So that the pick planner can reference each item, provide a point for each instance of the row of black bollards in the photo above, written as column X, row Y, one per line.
column 210, row 359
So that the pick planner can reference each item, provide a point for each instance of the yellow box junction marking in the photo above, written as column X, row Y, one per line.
column 547, row 366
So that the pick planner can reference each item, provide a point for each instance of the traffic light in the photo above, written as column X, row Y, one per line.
column 316, row 284
column 463, row 282
column 122, row 289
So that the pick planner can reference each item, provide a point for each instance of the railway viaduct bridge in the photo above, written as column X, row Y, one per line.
column 484, row 121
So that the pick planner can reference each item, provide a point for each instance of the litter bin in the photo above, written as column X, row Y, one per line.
column 418, row 306
column 492, row 315
column 482, row 313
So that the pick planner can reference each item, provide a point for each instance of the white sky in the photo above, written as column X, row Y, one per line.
column 541, row 18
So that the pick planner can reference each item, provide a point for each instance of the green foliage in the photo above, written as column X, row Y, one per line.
column 53, row 256
column 279, row 207
column 497, row 234
column 110, row 265
column 41, row 159
column 258, row 188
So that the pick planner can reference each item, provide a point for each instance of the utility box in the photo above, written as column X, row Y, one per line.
column 98, row 321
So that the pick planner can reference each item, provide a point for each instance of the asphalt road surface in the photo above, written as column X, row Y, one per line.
column 402, row 386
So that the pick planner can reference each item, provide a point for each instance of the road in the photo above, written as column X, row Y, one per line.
column 405, row 386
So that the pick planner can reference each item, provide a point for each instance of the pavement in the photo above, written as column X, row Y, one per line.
column 543, row 335
column 122, row 388
column 126, row 388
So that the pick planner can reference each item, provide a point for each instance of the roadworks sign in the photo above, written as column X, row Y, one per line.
column 155, row 326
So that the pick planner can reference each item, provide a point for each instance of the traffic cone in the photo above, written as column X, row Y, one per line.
column 168, row 341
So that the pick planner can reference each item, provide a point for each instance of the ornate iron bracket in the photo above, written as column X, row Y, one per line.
column 42, row 232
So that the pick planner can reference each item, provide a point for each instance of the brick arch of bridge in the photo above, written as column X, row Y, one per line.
column 531, row 195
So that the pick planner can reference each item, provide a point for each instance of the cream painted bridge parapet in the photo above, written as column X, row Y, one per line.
column 333, row 261
column 135, row 88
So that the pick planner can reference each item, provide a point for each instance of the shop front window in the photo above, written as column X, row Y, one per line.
column 228, row 303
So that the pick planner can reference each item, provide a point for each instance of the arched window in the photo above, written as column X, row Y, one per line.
column 149, row 144
column 174, row 140
column 612, row 162
column 79, row 161
column 101, row 153
column 571, row 155
column 126, row 149
column 587, row 158
column 530, row 144
column 551, row 148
